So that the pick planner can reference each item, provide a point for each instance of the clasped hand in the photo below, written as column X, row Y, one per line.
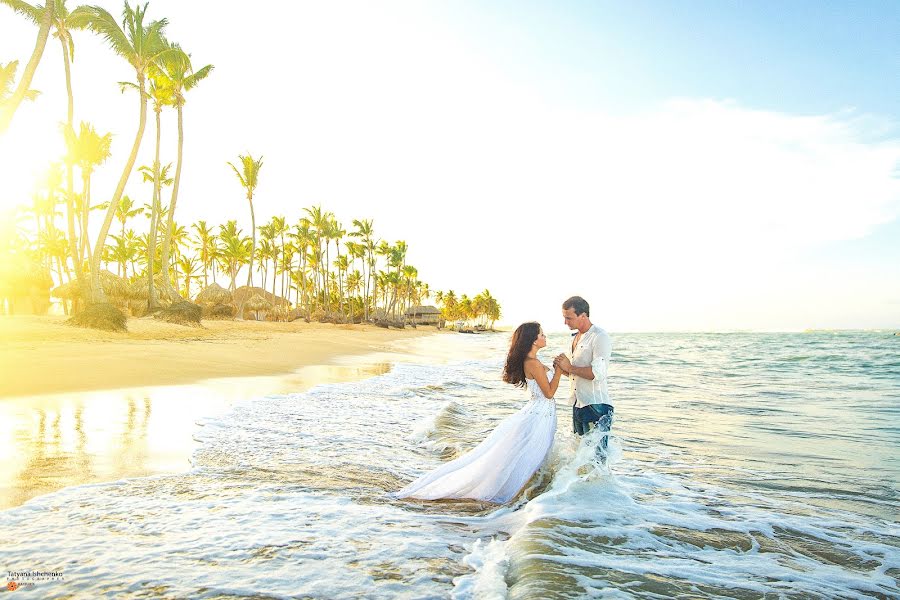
column 562, row 362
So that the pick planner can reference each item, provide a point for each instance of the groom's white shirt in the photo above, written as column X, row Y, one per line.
column 594, row 349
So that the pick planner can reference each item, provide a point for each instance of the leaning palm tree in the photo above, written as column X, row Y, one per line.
column 42, row 16
column 249, row 177
column 140, row 45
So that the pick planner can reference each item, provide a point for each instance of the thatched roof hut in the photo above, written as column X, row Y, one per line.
column 113, row 286
column 66, row 291
column 256, row 303
column 140, row 290
column 244, row 293
column 213, row 295
column 424, row 315
column 417, row 311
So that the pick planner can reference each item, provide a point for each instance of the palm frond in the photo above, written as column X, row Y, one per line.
column 7, row 76
column 197, row 76
column 32, row 12
column 98, row 20
column 239, row 175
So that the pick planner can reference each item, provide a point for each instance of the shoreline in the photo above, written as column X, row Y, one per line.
column 82, row 406
column 41, row 355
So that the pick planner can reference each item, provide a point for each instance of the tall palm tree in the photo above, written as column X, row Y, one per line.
column 279, row 228
column 234, row 249
column 204, row 240
column 249, row 178
column 365, row 230
column 63, row 24
column 318, row 225
column 87, row 149
column 140, row 45
column 173, row 70
column 160, row 94
column 42, row 16
column 158, row 176
column 301, row 239
column 126, row 210
column 188, row 266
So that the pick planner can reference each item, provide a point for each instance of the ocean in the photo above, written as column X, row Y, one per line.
column 743, row 465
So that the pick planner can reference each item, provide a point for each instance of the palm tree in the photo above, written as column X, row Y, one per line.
column 205, row 239
column 158, row 177
column 7, row 76
column 88, row 150
column 266, row 251
column 301, row 239
column 318, row 225
column 126, row 210
column 140, row 45
column 188, row 267
column 234, row 250
column 173, row 71
column 160, row 94
column 63, row 23
column 124, row 251
column 279, row 228
column 42, row 16
column 249, row 178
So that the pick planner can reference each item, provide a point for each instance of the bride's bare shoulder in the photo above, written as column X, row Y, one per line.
column 533, row 365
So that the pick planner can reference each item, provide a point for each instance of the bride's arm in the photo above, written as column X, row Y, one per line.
column 538, row 372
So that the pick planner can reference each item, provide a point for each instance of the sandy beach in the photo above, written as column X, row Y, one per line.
column 43, row 355
column 85, row 406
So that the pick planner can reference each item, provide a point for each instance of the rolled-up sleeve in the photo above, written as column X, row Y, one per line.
column 602, row 351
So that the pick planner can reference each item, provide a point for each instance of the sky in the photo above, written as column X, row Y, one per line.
column 684, row 166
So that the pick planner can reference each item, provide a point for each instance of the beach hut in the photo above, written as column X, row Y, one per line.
column 25, row 288
column 257, row 303
column 425, row 315
column 140, row 291
column 117, row 289
column 213, row 295
column 216, row 302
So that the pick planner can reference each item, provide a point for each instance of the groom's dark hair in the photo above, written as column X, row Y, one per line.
column 578, row 304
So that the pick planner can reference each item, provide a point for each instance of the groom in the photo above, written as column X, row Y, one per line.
column 587, row 369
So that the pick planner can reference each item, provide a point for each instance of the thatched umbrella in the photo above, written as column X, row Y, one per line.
column 140, row 290
column 116, row 288
column 257, row 303
column 213, row 295
column 66, row 291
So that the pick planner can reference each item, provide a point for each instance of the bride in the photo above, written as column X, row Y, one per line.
column 497, row 468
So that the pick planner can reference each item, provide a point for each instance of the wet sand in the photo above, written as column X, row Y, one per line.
column 81, row 406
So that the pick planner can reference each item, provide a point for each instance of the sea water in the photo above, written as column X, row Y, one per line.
column 742, row 465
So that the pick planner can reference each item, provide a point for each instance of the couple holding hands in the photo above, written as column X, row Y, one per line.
column 497, row 468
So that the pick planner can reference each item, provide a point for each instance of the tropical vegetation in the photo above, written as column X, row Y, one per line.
column 309, row 265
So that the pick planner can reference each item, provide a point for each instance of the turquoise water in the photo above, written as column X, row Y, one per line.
column 744, row 465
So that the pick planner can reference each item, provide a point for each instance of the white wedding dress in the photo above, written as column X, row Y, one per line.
column 497, row 468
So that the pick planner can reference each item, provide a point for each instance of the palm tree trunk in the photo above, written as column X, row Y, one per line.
column 167, row 237
column 240, row 308
column 153, row 298
column 10, row 107
column 97, row 295
column 70, row 178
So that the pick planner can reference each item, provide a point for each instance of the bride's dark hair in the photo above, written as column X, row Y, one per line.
column 522, row 340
